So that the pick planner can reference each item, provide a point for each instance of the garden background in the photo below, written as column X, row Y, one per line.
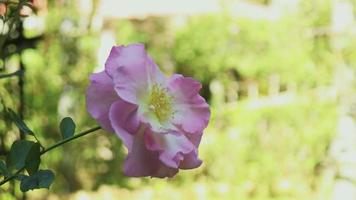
column 279, row 76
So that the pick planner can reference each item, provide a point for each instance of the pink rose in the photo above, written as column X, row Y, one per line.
column 160, row 120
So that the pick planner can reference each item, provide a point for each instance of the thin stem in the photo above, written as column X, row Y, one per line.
column 17, row 73
column 39, row 142
column 69, row 139
column 11, row 177
column 51, row 148
column 21, row 84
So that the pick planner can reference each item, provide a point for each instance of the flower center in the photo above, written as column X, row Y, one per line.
column 160, row 102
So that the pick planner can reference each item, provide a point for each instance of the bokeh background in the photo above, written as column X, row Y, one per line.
column 279, row 76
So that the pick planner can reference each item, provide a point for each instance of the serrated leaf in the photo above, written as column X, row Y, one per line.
column 19, row 122
column 67, row 127
column 33, row 159
column 18, row 153
column 41, row 179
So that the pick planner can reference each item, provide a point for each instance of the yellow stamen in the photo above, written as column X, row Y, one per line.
column 160, row 102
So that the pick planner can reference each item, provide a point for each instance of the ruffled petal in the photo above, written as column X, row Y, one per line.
column 123, row 100
column 133, row 72
column 192, row 111
column 191, row 160
column 100, row 96
column 143, row 162
column 172, row 147
column 124, row 120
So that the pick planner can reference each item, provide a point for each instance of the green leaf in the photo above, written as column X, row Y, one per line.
column 67, row 127
column 18, row 121
column 20, row 177
column 18, row 153
column 41, row 179
column 33, row 159
column 3, row 169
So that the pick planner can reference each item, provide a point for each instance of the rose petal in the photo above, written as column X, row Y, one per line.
column 190, row 161
column 143, row 162
column 172, row 147
column 133, row 72
column 124, row 120
column 192, row 111
column 100, row 96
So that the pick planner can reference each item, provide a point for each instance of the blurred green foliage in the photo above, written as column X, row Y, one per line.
column 249, row 152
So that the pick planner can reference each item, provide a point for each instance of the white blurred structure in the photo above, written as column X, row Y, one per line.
column 342, row 17
column 178, row 11
column 144, row 8
column 107, row 40
column 343, row 148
